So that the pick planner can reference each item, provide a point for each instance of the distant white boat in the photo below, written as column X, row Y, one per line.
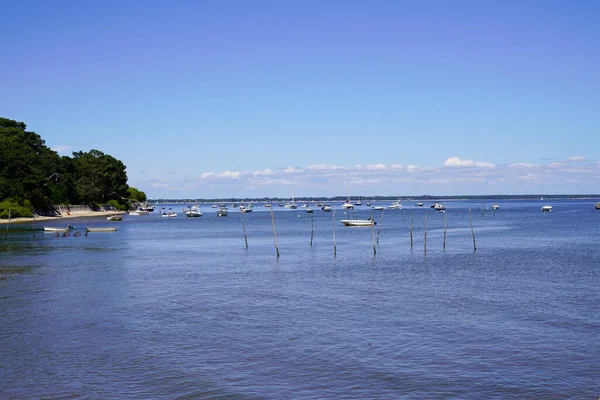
column 358, row 222
column 419, row 204
column 378, row 208
column 309, row 210
column 246, row 209
column 169, row 214
column 102, row 229
column 222, row 212
column 326, row 208
column 495, row 206
column 193, row 211
column 114, row 218
column 56, row 229
column 597, row 206
column 396, row 206
column 347, row 205
column 438, row 206
column 546, row 208
column 139, row 211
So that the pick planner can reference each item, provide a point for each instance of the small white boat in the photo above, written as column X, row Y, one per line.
column 57, row 229
column 546, row 208
column 438, row 207
column 495, row 206
column 139, row 211
column 396, row 206
column 326, row 208
column 597, row 206
column 246, row 209
column 102, row 229
column 358, row 222
column 309, row 210
column 347, row 205
column 169, row 214
column 378, row 208
column 114, row 218
column 419, row 204
column 193, row 211
column 221, row 213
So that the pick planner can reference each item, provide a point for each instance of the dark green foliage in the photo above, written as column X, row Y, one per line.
column 31, row 173
column 137, row 195
column 15, row 209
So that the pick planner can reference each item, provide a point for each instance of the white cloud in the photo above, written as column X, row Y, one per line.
column 396, row 166
column 62, row 149
column 457, row 162
column 376, row 167
column 529, row 177
column 523, row 165
column 323, row 167
column 221, row 175
column 293, row 170
column 264, row 172
column 576, row 158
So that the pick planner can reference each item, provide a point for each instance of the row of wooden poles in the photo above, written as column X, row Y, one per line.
column 374, row 237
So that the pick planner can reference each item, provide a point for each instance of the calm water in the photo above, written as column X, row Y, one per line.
column 169, row 308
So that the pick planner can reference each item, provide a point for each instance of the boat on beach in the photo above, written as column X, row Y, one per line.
column 114, row 218
column 358, row 222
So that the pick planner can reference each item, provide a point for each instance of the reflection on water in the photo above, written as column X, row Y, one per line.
column 179, row 307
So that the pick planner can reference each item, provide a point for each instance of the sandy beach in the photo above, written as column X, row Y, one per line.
column 73, row 214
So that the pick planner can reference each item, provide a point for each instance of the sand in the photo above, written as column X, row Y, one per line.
column 73, row 214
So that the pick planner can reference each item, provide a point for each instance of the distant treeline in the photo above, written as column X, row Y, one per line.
column 373, row 199
column 34, row 177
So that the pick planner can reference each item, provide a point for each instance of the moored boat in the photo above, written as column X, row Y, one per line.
column 326, row 208
column 358, row 222
column 102, row 229
column 58, row 229
column 495, row 206
column 546, row 208
column 597, row 206
column 221, row 212
column 114, row 218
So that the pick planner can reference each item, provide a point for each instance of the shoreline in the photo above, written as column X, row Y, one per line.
column 73, row 214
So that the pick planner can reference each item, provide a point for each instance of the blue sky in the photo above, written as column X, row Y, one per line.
column 254, row 98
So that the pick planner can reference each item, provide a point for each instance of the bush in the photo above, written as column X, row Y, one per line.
column 118, row 206
column 16, row 209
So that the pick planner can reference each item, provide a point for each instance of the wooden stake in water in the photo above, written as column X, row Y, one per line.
column 379, row 229
column 7, row 225
column 244, row 227
column 472, row 230
column 445, row 231
column 373, row 235
column 274, row 231
column 425, row 236
column 410, row 230
column 312, row 228
column 333, row 226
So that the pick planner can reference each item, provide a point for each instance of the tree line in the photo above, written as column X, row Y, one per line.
column 34, row 178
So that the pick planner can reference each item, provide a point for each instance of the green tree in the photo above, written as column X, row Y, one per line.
column 137, row 195
column 99, row 177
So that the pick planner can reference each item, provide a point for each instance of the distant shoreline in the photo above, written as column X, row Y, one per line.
column 73, row 214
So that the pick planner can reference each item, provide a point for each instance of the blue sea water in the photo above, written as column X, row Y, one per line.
column 180, row 308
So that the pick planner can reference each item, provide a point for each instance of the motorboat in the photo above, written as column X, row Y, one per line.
column 291, row 206
column 309, row 210
column 396, row 206
column 326, row 208
column 347, row 205
column 169, row 214
column 222, row 212
column 193, row 211
column 378, row 208
column 114, row 218
column 419, row 204
column 438, row 207
column 546, row 208
column 359, row 222
column 246, row 209
column 102, row 229
column 597, row 206
column 139, row 211
column 495, row 206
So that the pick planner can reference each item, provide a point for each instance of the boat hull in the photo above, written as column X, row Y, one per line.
column 358, row 222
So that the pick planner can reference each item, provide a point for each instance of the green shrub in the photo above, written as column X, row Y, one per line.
column 16, row 209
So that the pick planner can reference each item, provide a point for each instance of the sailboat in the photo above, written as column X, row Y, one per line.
column 293, row 204
column 348, row 205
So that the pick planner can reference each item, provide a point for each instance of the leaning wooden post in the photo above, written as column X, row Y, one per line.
column 244, row 227
column 425, row 235
column 445, row 226
column 274, row 231
column 34, row 223
column 410, row 230
column 7, row 225
column 312, row 227
column 379, row 229
column 472, row 230
column 333, row 227
column 373, row 234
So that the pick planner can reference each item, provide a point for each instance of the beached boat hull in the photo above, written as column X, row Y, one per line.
column 102, row 229
column 358, row 222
